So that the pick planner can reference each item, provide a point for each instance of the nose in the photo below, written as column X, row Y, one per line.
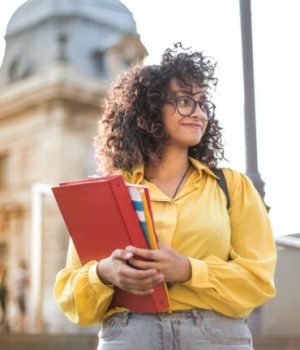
column 198, row 112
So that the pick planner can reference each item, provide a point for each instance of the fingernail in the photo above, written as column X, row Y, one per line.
column 128, row 255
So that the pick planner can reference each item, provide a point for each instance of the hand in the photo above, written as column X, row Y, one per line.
column 174, row 267
column 115, row 270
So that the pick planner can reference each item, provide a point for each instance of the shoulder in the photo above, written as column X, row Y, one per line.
column 135, row 176
column 239, row 184
column 236, row 178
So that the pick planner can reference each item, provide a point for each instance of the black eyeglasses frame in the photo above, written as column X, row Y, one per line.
column 211, row 109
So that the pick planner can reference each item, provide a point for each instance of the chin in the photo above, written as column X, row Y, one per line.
column 190, row 144
column 194, row 142
column 186, row 142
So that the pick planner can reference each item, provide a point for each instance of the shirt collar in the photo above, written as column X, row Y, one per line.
column 201, row 167
column 137, row 175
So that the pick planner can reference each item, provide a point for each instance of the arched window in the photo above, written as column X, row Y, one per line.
column 98, row 58
column 13, row 71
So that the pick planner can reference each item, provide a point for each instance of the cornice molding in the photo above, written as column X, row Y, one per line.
column 57, row 82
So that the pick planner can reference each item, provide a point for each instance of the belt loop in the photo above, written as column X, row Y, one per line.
column 196, row 316
column 125, row 318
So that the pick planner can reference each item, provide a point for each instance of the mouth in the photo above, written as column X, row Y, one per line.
column 193, row 126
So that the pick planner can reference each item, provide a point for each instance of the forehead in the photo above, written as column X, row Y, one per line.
column 191, row 89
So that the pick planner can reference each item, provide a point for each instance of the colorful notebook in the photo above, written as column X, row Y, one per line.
column 135, row 193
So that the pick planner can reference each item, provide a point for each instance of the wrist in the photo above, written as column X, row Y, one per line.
column 186, row 274
column 102, row 272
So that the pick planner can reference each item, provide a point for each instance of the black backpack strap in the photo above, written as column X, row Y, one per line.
column 222, row 183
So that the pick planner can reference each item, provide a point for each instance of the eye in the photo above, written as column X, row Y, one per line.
column 208, row 107
column 184, row 101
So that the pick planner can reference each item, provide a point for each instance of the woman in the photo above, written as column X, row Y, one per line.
column 21, row 281
column 159, row 129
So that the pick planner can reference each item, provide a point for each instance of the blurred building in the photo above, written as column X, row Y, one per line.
column 60, row 57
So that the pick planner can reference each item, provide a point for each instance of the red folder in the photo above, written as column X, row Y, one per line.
column 100, row 218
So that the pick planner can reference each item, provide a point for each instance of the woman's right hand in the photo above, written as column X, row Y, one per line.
column 115, row 270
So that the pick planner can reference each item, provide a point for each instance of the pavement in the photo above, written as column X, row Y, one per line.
column 14, row 341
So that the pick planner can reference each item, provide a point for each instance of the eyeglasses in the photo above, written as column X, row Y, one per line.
column 186, row 106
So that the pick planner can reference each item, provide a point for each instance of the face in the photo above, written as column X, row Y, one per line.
column 184, row 131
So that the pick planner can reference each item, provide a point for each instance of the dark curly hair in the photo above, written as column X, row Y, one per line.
column 131, row 130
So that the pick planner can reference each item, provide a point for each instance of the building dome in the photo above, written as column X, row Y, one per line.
column 97, row 37
column 33, row 12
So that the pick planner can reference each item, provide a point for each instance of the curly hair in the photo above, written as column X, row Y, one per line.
column 131, row 130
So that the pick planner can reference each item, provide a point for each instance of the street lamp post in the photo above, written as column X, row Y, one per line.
column 249, row 96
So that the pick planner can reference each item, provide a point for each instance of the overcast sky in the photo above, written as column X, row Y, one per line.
column 213, row 26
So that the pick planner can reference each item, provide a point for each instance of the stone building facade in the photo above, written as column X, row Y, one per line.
column 60, row 57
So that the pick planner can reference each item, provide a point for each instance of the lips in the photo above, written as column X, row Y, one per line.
column 191, row 125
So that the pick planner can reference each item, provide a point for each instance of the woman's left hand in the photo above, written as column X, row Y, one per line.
column 174, row 267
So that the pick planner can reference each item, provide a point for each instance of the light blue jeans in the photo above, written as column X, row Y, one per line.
column 183, row 330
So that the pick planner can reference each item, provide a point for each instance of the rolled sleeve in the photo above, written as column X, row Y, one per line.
column 95, row 281
column 199, row 277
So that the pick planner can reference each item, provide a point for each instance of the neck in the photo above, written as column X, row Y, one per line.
column 174, row 164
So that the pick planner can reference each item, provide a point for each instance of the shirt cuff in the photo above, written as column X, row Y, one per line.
column 199, row 277
column 95, row 280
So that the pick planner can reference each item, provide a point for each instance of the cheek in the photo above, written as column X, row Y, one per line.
column 168, row 111
column 205, row 127
column 169, row 128
column 168, row 118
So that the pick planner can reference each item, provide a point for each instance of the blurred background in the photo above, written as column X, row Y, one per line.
column 58, row 58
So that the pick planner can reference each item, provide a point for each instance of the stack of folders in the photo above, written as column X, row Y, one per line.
column 103, row 214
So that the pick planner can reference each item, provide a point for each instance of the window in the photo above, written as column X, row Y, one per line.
column 127, row 62
column 3, row 251
column 3, row 170
column 98, row 58
column 14, row 70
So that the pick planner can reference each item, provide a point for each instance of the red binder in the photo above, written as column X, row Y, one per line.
column 100, row 218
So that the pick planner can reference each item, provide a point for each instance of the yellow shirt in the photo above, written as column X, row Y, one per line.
column 232, row 252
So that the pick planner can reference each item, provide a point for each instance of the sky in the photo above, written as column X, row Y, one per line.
column 213, row 26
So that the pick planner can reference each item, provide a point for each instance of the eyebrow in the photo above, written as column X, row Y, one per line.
column 188, row 92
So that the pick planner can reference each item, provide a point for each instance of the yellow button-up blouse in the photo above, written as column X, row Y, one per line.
column 232, row 252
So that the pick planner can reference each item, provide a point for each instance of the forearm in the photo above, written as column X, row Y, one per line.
column 81, row 295
column 234, row 287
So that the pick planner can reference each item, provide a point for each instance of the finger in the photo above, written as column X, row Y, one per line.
column 144, row 253
column 142, row 264
column 141, row 285
column 142, row 292
column 122, row 254
column 131, row 272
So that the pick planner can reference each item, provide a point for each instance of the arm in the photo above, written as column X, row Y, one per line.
column 78, row 291
column 246, row 280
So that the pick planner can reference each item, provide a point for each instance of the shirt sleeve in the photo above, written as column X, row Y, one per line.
column 79, row 292
column 235, row 287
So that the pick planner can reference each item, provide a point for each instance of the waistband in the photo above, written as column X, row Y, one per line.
column 195, row 314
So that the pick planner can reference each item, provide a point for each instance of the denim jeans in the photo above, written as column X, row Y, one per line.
column 182, row 330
